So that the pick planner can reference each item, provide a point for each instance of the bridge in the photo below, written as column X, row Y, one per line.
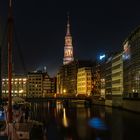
column 66, row 101
column 57, row 98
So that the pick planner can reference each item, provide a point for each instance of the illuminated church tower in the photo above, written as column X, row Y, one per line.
column 68, row 49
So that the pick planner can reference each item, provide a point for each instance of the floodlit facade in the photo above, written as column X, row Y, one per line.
column 19, row 86
column 117, row 79
column 108, row 82
column 108, row 79
column 68, row 49
column 67, row 76
column 84, row 81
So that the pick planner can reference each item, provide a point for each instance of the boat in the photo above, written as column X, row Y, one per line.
column 15, row 123
column 2, row 120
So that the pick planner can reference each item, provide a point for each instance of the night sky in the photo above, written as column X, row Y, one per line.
column 97, row 26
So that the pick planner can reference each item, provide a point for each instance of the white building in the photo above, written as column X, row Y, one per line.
column 117, row 79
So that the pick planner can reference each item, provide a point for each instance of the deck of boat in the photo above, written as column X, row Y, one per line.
column 20, row 128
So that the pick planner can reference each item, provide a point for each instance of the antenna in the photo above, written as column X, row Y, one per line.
column 10, row 3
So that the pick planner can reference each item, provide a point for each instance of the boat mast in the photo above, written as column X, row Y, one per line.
column 0, row 66
column 10, row 44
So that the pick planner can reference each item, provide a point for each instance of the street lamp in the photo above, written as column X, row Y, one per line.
column 64, row 91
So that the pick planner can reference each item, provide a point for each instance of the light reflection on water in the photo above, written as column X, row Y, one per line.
column 97, row 123
column 65, row 119
column 80, row 123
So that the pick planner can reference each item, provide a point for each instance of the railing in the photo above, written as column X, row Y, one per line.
column 57, row 98
column 131, row 96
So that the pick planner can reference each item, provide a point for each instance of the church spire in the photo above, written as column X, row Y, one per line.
column 68, row 49
column 68, row 25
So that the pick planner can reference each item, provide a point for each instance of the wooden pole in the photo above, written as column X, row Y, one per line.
column 10, row 44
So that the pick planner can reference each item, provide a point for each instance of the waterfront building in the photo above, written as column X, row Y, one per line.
column 99, row 79
column 40, row 84
column 108, row 81
column 131, row 58
column 46, row 84
column 117, row 79
column 67, row 76
column 58, row 83
column 96, row 81
column 35, row 84
column 84, row 81
column 53, row 85
column 19, row 86
column 68, row 49
column 108, row 78
column 102, row 77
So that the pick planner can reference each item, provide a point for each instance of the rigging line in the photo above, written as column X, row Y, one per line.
column 19, row 50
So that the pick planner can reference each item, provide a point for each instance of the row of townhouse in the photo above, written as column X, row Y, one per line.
column 34, row 84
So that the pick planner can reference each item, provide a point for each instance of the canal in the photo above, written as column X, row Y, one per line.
column 78, row 122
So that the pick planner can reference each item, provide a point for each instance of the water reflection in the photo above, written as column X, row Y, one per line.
column 59, row 106
column 80, row 123
column 88, row 112
column 65, row 119
column 97, row 123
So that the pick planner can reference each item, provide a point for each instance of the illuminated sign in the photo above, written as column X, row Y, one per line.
column 126, row 52
column 102, row 56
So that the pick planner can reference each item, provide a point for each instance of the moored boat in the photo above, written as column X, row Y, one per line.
column 15, row 122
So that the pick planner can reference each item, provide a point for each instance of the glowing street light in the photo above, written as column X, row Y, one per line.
column 64, row 90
